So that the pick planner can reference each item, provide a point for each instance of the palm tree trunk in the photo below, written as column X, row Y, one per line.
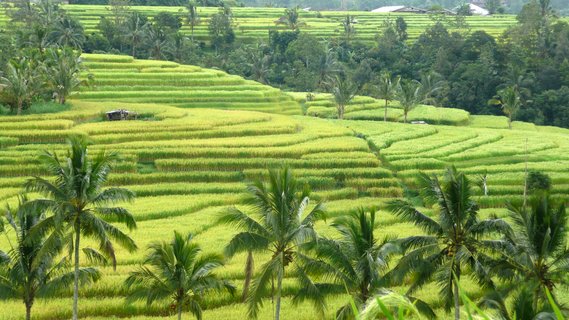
column 76, row 273
column 20, row 105
column 279, row 288
column 404, row 116
column 248, row 275
column 385, row 115
column 510, row 122
column 456, row 295
column 28, row 310
column 180, row 310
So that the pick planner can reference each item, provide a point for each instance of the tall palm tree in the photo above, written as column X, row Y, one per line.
column 157, row 41
column 510, row 101
column 430, row 84
column 177, row 270
column 24, row 272
column 456, row 243
column 343, row 91
column 64, row 67
column 81, row 206
column 409, row 94
column 357, row 261
column 328, row 66
column 538, row 255
column 192, row 17
column 349, row 24
column 135, row 26
column 280, row 223
column 387, row 89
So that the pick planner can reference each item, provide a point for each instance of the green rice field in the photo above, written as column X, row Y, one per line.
column 203, row 135
column 254, row 23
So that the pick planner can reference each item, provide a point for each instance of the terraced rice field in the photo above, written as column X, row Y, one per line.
column 188, row 163
column 124, row 79
column 367, row 108
column 254, row 23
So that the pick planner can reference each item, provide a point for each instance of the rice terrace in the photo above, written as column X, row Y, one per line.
column 284, row 159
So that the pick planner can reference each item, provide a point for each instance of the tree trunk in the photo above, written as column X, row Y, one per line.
column 76, row 273
column 404, row 116
column 510, row 122
column 385, row 115
column 249, row 265
column 28, row 310
column 456, row 295
column 340, row 112
column 20, row 107
column 179, row 310
column 61, row 99
column 279, row 288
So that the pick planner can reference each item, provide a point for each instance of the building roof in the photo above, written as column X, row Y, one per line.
column 478, row 10
column 388, row 9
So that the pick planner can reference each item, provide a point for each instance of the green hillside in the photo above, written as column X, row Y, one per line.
column 188, row 158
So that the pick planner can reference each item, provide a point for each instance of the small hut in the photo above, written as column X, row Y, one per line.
column 121, row 114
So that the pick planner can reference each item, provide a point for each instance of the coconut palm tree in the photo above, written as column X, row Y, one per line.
column 280, row 223
column 64, row 67
column 24, row 272
column 292, row 18
column 19, row 84
column 356, row 262
column 192, row 17
column 68, row 32
column 343, row 91
column 387, row 89
column 538, row 255
column 409, row 94
column 510, row 101
column 349, row 24
column 177, row 270
column 135, row 28
column 81, row 207
column 455, row 243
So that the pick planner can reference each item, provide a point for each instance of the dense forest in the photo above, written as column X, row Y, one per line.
column 460, row 69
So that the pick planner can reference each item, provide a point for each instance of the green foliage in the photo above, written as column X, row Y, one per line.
column 179, row 271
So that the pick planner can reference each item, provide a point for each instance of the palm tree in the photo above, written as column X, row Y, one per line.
column 409, row 94
column 192, row 17
column 343, row 91
column 19, row 84
column 538, row 255
column 356, row 262
column 457, row 242
column 157, row 42
column 292, row 18
column 68, row 33
column 24, row 272
column 327, row 67
column 387, row 89
column 81, row 206
column 134, row 30
column 430, row 84
column 349, row 23
column 64, row 71
column 260, row 63
column 280, row 223
column 177, row 270
column 510, row 101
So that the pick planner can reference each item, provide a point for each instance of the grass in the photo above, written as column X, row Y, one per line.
column 188, row 164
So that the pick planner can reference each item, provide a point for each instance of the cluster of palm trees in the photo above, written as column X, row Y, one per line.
column 51, row 74
column 526, row 258
column 409, row 93
column 45, row 24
